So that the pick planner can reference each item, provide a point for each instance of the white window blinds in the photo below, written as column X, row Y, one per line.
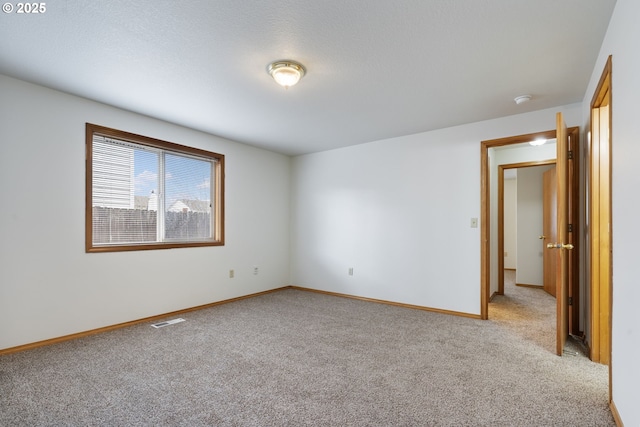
column 143, row 194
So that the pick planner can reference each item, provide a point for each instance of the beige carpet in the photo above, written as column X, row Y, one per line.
column 530, row 313
column 527, row 312
column 296, row 358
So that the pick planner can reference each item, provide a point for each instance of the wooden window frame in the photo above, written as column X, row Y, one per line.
column 218, row 193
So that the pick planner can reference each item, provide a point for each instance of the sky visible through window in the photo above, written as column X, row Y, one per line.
column 186, row 177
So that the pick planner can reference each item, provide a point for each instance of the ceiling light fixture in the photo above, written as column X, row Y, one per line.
column 522, row 99
column 538, row 142
column 286, row 73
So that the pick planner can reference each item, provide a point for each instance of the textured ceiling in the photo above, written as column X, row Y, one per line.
column 375, row 68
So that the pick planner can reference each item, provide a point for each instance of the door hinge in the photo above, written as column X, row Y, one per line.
column 570, row 228
column 570, row 154
column 570, row 300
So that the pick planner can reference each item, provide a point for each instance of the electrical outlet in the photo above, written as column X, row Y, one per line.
column 255, row 271
column 231, row 274
column 474, row 222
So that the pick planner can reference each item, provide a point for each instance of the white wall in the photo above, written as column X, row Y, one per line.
column 510, row 222
column 621, row 41
column 530, row 267
column 49, row 286
column 398, row 211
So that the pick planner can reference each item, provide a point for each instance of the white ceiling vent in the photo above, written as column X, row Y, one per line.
column 167, row 323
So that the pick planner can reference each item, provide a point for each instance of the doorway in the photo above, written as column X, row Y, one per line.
column 599, row 219
column 491, row 254
column 522, row 304
column 520, row 214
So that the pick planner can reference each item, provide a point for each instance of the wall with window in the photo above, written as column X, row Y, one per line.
column 49, row 286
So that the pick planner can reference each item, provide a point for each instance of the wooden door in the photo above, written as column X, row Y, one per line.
column 549, row 229
column 600, row 225
column 560, row 246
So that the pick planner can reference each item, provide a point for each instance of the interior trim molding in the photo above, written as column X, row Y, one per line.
column 77, row 335
column 616, row 415
column 397, row 304
column 525, row 285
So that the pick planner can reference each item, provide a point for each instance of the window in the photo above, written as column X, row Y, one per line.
column 143, row 193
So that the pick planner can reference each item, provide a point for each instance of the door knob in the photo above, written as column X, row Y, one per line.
column 542, row 237
column 559, row 246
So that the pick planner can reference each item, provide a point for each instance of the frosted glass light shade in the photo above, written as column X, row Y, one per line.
column 286, row 73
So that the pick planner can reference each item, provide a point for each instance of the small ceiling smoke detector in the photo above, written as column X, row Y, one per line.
column 522, row 99
column 286, row 73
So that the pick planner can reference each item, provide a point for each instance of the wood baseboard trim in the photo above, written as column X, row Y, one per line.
column 83, row 334
column 397, row 304
column 524, row 285
column 493, row 295
column 510, row 269
column 64, row 338
column 616, row 414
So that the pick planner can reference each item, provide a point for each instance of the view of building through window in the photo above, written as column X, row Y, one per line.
column 149, row 194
